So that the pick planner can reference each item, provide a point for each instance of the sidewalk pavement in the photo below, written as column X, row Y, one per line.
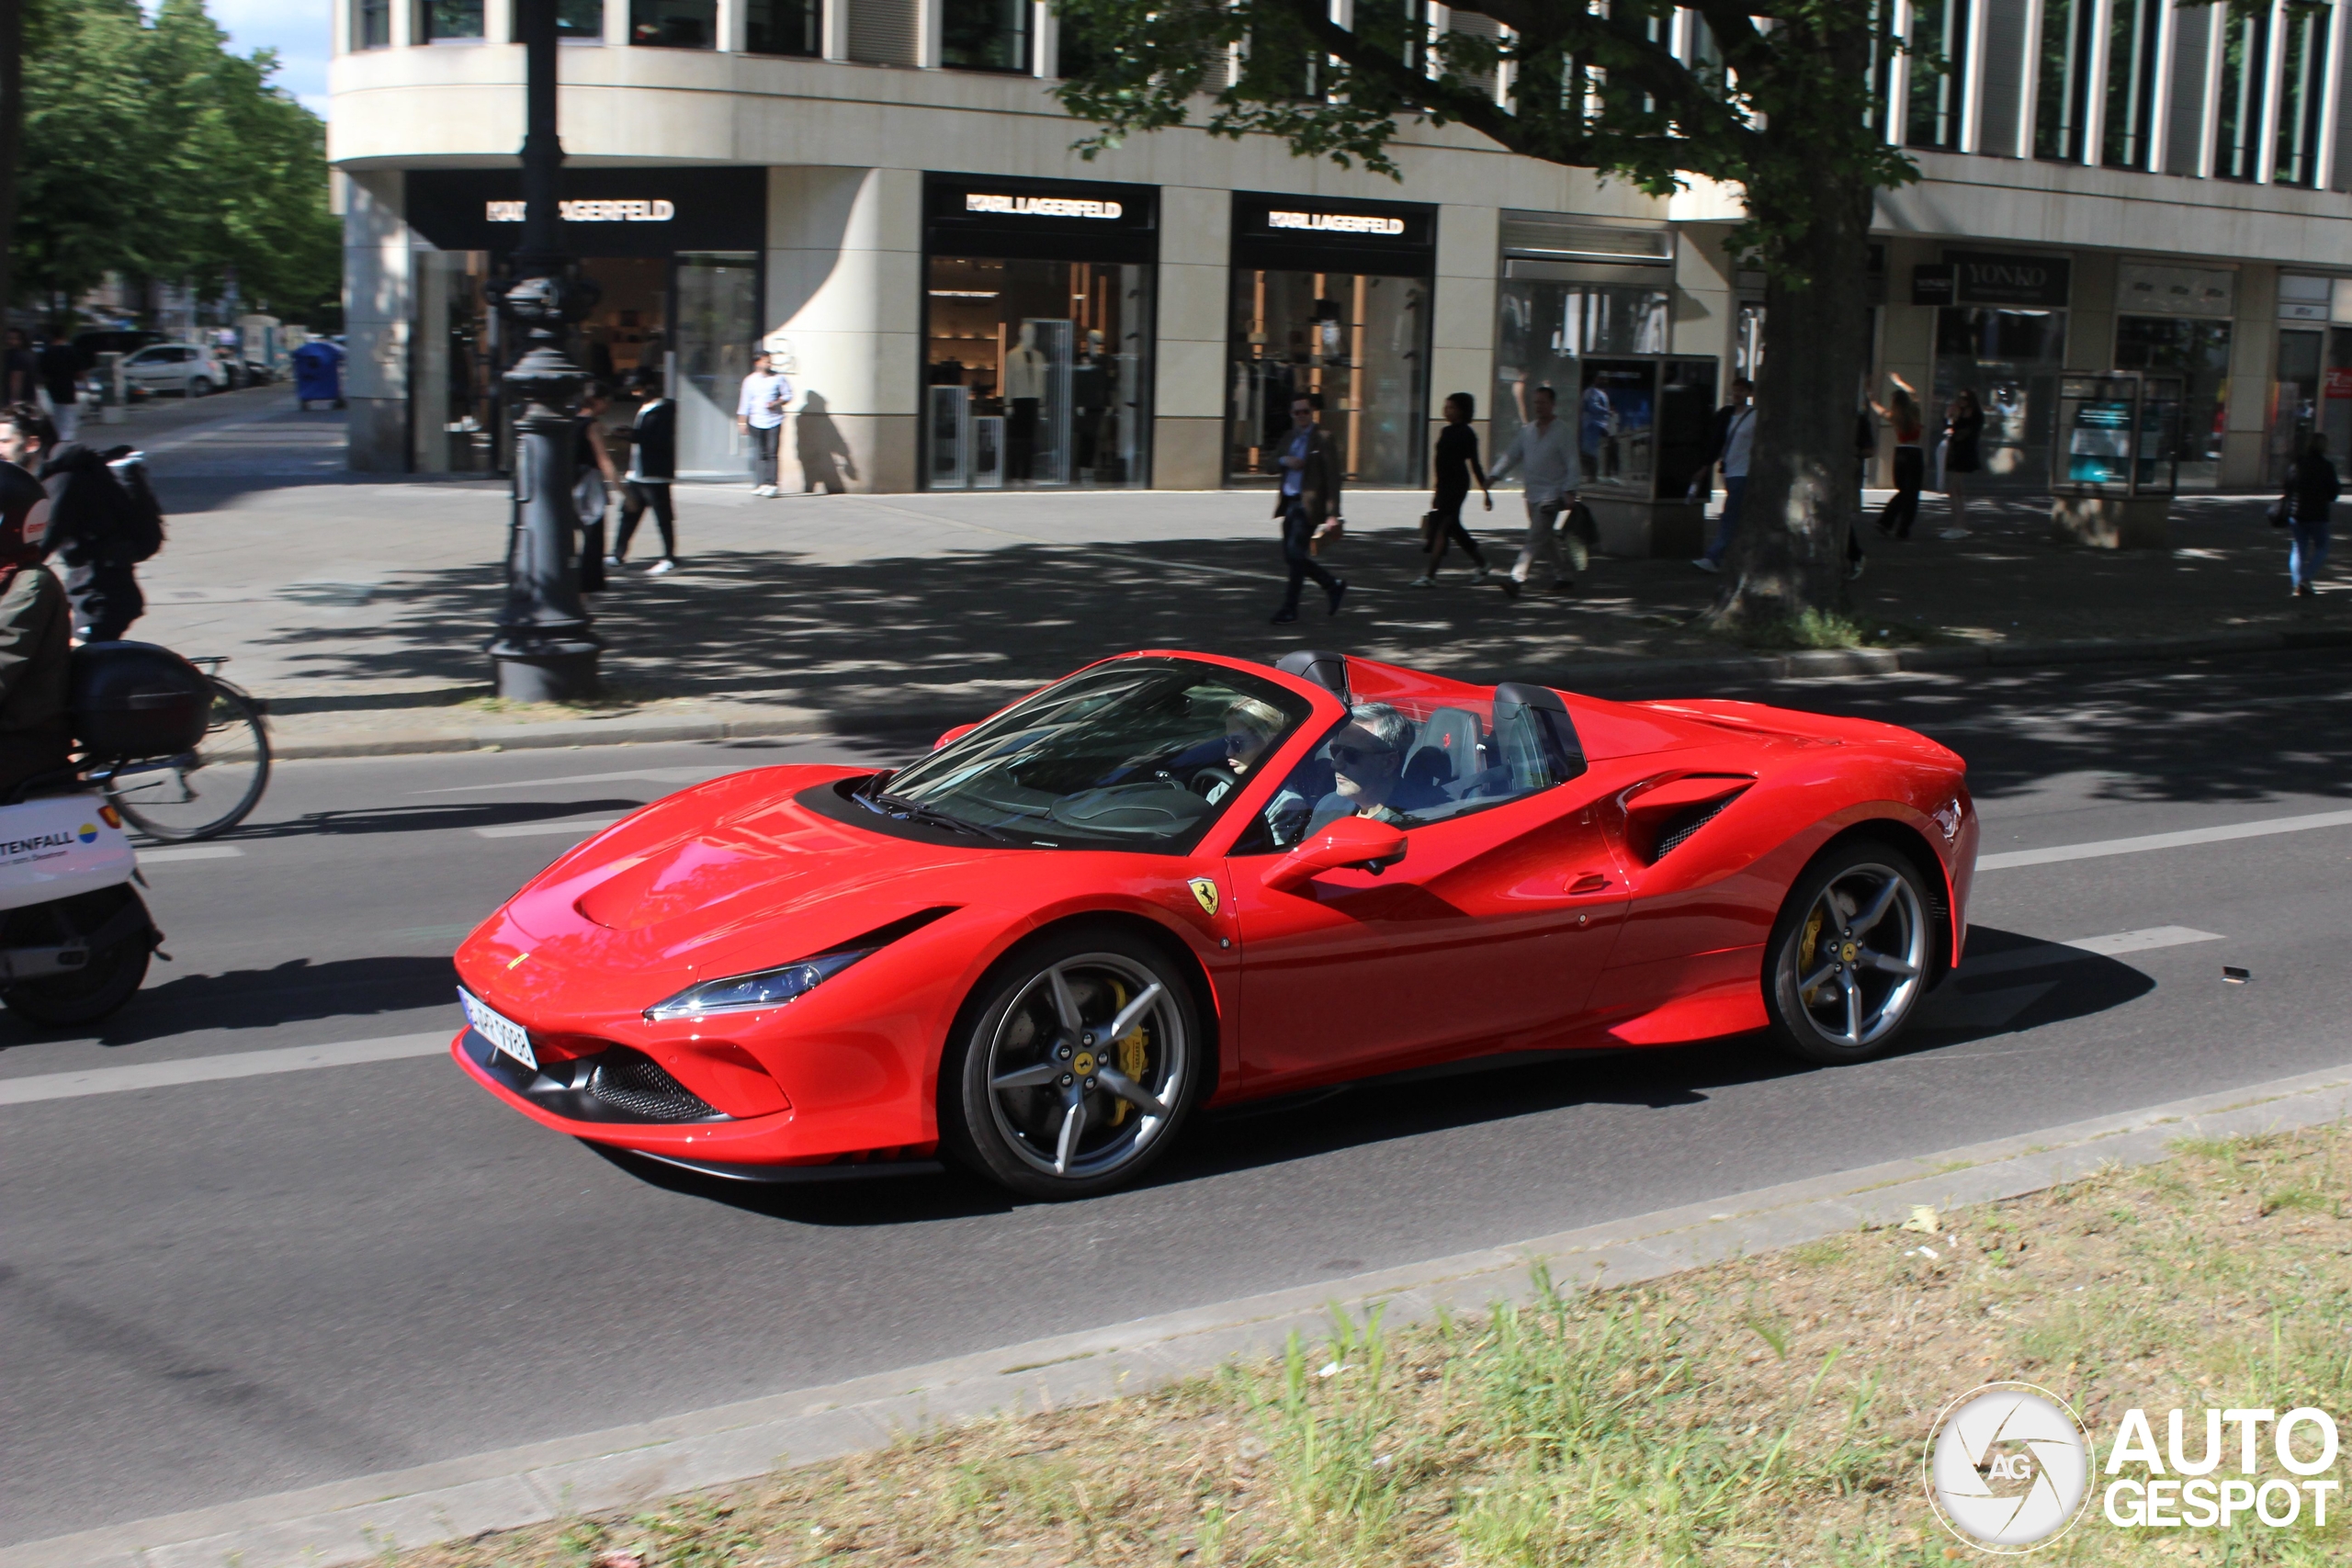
column 359, row 606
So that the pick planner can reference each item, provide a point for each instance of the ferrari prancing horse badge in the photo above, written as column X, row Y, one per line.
column 1204, row 889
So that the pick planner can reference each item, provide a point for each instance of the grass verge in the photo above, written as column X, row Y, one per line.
column 1770, row 1411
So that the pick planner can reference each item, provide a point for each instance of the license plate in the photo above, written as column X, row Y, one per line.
column 501, row 1031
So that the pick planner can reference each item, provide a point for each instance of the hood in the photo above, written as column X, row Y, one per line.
column 1760, row 721
column 725, row 876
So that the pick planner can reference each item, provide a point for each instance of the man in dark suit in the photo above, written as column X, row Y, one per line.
column 1308, row 499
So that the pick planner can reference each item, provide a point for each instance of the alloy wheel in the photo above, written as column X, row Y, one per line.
column 1087, row 1066
column 1861, row 956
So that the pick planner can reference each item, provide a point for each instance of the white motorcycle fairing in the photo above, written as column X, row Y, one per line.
column 58, row 846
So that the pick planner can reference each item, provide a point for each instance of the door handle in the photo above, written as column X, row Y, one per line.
column 1590, row 882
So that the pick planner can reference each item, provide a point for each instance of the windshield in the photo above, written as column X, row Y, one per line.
column 1141, row 754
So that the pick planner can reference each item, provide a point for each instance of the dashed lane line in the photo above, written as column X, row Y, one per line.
column 2145, row 842
column 531, row 829
column 190, row 852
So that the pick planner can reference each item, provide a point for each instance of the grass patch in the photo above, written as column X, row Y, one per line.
column 1764, row 1412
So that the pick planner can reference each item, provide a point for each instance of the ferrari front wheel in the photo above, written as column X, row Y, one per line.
column 1851, row 953
column 1075, row 1065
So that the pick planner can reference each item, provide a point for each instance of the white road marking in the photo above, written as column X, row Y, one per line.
column 211, row 1069
column 529, row 830
column 2043, row 953
column 190, row 852
column 2146, row 841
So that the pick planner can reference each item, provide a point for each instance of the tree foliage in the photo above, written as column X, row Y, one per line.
column 1779, row 98
column 153, row 151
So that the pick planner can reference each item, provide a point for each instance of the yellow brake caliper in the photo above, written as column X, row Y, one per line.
column 1135, row 1061
column 1805, row 951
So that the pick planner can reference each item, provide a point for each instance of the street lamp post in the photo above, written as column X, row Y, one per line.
column 545, row 650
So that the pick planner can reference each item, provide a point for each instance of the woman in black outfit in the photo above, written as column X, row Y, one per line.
column 1963, row 427
column 652, row 466
column 1455, row 466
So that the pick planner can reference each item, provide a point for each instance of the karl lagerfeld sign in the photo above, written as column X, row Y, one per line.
column 633, row 212
column 1985, row 278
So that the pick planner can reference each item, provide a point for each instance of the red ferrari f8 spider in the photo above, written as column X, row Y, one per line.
column 1174, row 880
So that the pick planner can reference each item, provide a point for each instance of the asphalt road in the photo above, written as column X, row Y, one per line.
column 212, row 1291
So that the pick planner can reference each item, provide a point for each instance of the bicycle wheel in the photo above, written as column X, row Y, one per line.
column 208, row 791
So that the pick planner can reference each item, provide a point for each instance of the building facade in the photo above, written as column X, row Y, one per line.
column 883, row 194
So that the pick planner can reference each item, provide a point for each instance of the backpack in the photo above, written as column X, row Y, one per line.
column 139, row 516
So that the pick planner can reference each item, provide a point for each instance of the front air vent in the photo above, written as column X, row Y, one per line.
column 636, row 1086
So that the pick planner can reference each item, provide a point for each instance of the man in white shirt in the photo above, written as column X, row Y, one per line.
column 759, row 414
column 1543, row 454
column 1731, row 445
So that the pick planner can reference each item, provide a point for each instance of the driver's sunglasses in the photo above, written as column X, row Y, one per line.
column 1354, row 754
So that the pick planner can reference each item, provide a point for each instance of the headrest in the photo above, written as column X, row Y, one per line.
column 1328, row 671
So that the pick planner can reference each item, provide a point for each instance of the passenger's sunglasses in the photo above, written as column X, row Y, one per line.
column 1352, row 755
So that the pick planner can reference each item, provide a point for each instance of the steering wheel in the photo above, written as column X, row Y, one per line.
column 1207, row 779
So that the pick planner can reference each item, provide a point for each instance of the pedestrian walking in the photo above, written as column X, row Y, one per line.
column 594, row 477
column 1309, row 504
column 1902, row 412
column 1730, row 445
column 60, row 385
column 1543, row 454
column 652, row 465
column 1964, row 432
column 2311, row 489
column 1455, row 467
column 759, row 414
column 89, row 523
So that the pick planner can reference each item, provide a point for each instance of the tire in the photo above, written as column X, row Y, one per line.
column 199, row 388
column 1861, row 924
column 90, row 993
column 218, row 789
column 1015, row 1073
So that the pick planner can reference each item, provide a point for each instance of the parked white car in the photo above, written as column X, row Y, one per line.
column 177, row 367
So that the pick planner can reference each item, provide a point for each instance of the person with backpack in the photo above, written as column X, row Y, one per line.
column 96, row 527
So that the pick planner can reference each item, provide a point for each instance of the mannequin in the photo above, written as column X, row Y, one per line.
column 1024, row 386
column 1088, row 394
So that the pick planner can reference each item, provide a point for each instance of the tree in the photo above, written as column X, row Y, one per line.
column 1779, row 99
column 151, row 151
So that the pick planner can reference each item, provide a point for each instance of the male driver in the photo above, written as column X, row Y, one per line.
column 1544, row 456
column 86, row 522
column 759, row 414
column 1308, row 499
column 1367, row 771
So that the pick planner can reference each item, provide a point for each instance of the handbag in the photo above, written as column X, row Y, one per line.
column 1331, row 532
column 1430, row 525
column 2278, row 512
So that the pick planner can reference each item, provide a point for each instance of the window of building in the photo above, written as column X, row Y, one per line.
column 2245, row 57
column 675, row 24
column 440, row 20
column 2197, row 352
column 579, row 19
column 2063, row 82
column 784, row 26
column 1936, row 63
column 985, row 35
column 2134, row 31
column 372, row 24
column 2302, row 64
column 1545, row 330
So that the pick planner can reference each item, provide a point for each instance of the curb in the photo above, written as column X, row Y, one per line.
column 627, row 1467
column 1625, row 678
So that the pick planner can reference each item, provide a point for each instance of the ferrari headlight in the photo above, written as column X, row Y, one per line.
column 762, row 989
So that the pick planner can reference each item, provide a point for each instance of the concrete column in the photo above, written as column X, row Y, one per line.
column 498, row 21
column 1188, row 395
column 376, row 318
column 844, row 300
column 617, row 23
column 404, row 29
column 1462, row 316
column 2090, row 322
column 1706, row 314
column 2254, row 366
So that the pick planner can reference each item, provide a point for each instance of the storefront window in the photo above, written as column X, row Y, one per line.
column 718, row 316
column 984, row 35
column 1038, row 373
column 1358, row 341
column 784, row 26
column 449, row 20
column 675, row 24
column 1544, row 329
column 2199, row 353
column 454, row 367
column 2012, row 360
column 375, row 24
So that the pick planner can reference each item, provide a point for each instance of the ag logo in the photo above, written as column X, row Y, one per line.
column 1204, row 889
column 2007, row 1467
column 87, row 832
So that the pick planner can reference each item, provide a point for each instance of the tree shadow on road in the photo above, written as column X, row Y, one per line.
column 298, row 992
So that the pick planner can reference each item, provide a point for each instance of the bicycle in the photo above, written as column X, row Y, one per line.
column 203, row 792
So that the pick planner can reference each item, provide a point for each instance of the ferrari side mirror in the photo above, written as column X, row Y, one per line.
column 1351, row 840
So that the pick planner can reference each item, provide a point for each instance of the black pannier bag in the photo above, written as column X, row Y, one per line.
column 136, row 700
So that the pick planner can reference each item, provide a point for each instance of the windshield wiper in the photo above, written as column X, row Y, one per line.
column 900, row 806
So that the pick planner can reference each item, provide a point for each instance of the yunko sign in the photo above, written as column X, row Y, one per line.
column 654, row 211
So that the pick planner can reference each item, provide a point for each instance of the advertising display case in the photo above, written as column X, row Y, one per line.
column 2118, row 460
column 1641, row 427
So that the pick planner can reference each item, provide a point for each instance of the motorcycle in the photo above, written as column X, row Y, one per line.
column 74, row 935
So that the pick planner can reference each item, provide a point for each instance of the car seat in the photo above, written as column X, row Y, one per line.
column 1448, row 754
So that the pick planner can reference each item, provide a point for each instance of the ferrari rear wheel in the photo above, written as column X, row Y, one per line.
column 1077, row 1066
column 1851, row 953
